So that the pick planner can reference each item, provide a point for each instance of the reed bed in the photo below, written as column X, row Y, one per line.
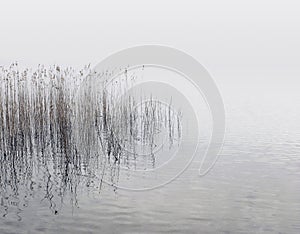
column 57, row 130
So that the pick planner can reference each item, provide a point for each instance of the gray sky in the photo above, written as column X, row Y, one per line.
column 237, row 41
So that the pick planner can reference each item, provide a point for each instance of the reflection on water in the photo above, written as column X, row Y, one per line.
column 48, row 185
column 56, row 138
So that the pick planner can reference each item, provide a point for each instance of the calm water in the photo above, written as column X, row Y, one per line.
column 254, row 187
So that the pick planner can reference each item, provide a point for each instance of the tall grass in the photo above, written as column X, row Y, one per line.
column 57, row 130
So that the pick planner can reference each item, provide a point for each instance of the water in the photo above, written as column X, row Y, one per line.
column 253, row 188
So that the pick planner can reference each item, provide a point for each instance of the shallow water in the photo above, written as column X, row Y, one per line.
column 253, row 188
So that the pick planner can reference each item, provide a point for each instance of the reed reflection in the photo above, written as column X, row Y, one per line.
column 55, row 140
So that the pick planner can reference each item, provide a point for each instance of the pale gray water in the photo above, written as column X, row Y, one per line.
column 254, row 187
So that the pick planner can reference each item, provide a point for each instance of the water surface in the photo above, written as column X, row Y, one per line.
column 253, row 188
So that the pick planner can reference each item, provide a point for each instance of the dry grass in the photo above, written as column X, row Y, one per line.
column 52, row 133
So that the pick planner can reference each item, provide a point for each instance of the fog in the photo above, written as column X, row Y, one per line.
column 236, row 41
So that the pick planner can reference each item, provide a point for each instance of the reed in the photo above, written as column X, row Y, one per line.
column 58, row 133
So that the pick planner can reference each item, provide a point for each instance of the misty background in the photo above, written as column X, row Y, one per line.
column 252, row 51
column 237, row 41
